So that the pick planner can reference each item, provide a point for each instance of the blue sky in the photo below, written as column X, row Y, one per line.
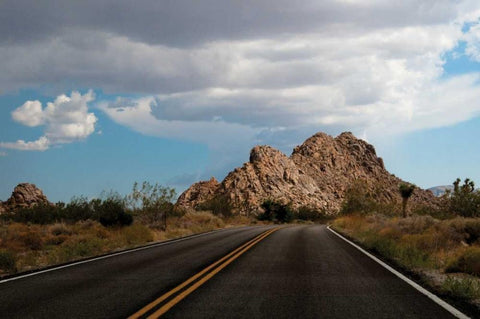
column 102, row 100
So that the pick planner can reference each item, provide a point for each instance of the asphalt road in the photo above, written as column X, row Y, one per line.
column 294, row 272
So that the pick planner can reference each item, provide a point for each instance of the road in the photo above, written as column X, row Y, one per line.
column 291, row 272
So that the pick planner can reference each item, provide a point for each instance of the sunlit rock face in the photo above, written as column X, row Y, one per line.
column 25, row 195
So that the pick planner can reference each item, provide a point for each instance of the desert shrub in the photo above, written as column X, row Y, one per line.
column 411, row 256
column 78, row 209
column 152, row 203
column 387, row 209
column 358, row 199
column 467, row 262
column 81, row 246
column 383, row 246
column 20, row 237
column 309, row 213
column 436, row 212
column 60, row 229
column 200, row 221
column 32, row 240
column 390, row 232
column 466, row 288
column 137, row 234
column 38, row 214
column 111, row 212
column 219, row 205
column 415, row 224
column 177, row 211
column 7, row 261
column 55, row 239
column 472, row 229
column 276, row 211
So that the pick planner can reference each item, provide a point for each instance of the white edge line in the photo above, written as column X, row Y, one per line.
column 113, row 255
column 457, row 313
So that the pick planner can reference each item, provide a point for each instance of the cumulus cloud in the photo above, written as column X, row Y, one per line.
column 29, row 114
column 66, row 120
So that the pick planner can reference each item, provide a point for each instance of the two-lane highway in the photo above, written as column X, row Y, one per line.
column 252, row 272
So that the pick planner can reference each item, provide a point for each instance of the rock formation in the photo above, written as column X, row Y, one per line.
column 317, row 175
column 198, row 193
column 25, row 195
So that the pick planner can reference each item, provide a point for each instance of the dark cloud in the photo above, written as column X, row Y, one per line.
column 189, row 23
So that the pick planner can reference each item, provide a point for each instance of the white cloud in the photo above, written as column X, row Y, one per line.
column 66, row 120
column 41, row 144
column 29, row 114
column 472, row 38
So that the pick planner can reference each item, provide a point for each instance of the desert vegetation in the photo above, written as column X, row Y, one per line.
column 440, row 243
column 50, row 234
column 278, row 212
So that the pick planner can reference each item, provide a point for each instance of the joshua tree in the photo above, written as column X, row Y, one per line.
column 406, row 190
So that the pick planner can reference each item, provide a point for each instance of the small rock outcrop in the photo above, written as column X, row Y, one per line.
column 317, row 175
column 198, row 193
column 25, row 195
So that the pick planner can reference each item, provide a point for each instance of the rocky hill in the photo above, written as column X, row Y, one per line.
column 317, row 175
column 25, row 195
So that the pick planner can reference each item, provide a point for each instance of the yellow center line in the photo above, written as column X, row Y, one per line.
column 192, row 288
column 154, row 303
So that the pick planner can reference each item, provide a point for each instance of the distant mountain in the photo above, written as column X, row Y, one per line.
column 317, row 175
column 440, row 190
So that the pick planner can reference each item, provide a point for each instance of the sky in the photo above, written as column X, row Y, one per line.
column 95, row 95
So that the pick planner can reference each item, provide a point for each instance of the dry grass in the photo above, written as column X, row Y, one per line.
column 422, row 243
column 25, row 247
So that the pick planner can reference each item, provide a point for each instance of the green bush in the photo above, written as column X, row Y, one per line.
column 358, row 199
column 7, row 261
column 39, row 214
column 111, row 212
column 78, row 209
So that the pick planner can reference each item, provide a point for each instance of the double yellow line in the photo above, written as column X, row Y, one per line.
column 209, row 272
